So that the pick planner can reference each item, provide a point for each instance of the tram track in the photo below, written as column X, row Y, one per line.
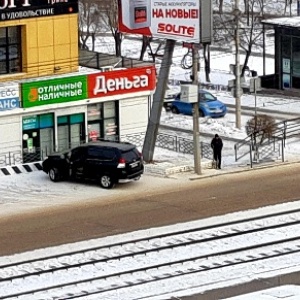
column 103, row 266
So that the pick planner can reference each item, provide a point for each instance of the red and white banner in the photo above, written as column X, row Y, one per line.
column 120, row 82
column 170, row 19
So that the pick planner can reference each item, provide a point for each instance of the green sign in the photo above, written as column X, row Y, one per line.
column 51, row 91
column 31, row 122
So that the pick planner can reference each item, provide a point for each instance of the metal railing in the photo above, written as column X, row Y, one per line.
column 270, row 148
column 164, row 141
column 173, row 143
column 273, row 146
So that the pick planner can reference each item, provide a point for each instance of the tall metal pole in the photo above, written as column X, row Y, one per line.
column 255, row 87
column 196, row 139
column 237, row 67
column 157, row 105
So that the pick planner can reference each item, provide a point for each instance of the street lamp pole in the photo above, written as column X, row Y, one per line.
column 196, row 138
column 237, row 67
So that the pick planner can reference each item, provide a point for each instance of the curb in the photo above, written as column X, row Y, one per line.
column 18, row 169
column 235, row 171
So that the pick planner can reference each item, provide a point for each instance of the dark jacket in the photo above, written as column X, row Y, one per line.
column 217, row 144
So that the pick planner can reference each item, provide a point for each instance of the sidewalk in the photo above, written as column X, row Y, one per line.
column 185, row 171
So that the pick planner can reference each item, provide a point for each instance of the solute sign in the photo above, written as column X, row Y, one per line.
column 170, row 19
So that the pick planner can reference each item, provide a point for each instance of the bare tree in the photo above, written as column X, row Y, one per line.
column 98, row 16
column 260, row 128
column 251, row 31
column 89, row 22
column 109, row 13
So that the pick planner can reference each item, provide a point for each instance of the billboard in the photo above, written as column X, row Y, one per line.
column 119, row 82
column 60, row 90
column 21, row 9
column 170, row 19
column 80, row 87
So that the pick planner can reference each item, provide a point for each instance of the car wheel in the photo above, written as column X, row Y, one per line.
column 175, row 110
column 107, row 181
column 54, row 174
column 201, row 113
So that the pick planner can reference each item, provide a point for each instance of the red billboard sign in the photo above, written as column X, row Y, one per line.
column 118, row 82
column 171, row 19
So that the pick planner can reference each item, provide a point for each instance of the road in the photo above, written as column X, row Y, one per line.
column 179, row 201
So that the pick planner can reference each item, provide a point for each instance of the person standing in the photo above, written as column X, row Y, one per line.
column 217, row 146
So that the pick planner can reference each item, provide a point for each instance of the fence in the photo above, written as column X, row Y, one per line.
column 164, row 141
column 172, row 143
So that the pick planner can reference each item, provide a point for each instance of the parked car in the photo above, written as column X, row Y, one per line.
column 209, row 106
column 103, row 161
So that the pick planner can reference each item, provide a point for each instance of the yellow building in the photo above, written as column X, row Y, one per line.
column 38, row 38
column 46, row 102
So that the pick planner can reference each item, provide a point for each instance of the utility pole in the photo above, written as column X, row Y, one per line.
column 196, row 139
column 157, row 105
column 237, row 66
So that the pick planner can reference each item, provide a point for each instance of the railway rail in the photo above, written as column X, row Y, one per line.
column 125, row 268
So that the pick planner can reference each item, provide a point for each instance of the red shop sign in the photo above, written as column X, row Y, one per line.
column 121, row 82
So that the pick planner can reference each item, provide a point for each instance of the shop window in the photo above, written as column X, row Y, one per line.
column 109, row 110
column 38, row 133
column 296, row 57
column 76, row 119
column 286, row 46
column 94, row 112
column 295, row 63
column 46, row 121
column 10, row 49
column 103, row 121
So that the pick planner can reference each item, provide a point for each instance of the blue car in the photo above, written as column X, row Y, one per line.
column 209, row 106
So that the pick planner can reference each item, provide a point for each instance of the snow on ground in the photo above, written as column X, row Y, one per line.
column 23, row 191
column 34, row 190
column 189, row 284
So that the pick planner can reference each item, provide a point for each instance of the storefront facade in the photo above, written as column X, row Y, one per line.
column 46, row 103
column 287, row 54
column 60, row 113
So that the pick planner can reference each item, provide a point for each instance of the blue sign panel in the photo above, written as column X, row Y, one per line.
column 9, row 97
column 6, row 104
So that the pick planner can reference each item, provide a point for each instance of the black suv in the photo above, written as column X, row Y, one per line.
column 106, row 162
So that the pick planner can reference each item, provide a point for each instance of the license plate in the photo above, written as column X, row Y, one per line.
column 135, row 164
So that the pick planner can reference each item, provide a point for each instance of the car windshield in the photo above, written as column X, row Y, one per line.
column 206, row 97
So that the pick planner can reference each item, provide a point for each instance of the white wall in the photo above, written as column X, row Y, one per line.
column 134, row 114
column 10, row 133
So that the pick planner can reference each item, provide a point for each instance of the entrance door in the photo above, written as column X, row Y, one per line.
column 71, row 131
column 46, row 141
column 75, row 135
column 63, row 137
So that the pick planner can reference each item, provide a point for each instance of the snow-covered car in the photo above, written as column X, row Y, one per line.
column 209, row 106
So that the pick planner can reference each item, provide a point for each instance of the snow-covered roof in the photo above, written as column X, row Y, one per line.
column 287, row 21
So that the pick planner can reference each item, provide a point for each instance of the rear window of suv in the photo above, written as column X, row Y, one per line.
column 130, row 155
column 101, row 153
